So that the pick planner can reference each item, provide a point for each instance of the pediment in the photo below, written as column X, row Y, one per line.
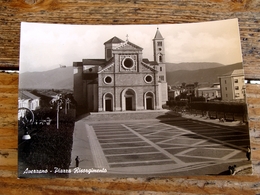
column 128, row 46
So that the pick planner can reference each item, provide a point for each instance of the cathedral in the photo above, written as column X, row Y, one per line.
column 124, row 80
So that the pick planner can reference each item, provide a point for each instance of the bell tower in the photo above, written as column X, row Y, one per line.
column 159, row 57
column 158, row 47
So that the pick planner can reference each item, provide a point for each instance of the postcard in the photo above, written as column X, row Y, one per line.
column 132, row 101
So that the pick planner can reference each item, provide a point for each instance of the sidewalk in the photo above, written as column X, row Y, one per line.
column 81, row 146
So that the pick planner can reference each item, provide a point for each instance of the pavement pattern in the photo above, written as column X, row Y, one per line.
column 177, row 146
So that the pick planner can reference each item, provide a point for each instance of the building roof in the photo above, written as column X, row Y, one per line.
column 208, row 88
column 236, row 72
column 94, row 61
column 27, row 95
column 215, row 85
column 75, row 64
column 158, row 35
column 114, row 40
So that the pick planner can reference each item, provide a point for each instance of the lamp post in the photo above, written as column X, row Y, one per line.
column 57, row 101
column 67, row 105
column 58, row 112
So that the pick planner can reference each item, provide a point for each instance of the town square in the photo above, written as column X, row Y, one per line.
column 168, row 145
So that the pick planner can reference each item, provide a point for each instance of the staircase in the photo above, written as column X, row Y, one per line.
column 128, row 115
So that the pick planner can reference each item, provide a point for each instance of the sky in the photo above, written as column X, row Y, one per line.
column 47, row 46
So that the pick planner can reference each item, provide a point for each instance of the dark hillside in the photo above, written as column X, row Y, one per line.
column 206, row 76
column 59, row 78
column 170, row 67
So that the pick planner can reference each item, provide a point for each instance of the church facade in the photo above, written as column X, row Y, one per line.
column 124, row 80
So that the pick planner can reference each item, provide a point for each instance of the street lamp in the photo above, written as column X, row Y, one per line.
column 58, row 101
column 25, row 119
column 67, row 105
column 26, row 136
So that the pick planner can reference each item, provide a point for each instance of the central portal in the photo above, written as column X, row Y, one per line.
column 128, row 103
column 128, row 99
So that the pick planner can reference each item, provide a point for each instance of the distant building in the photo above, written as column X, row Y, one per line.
column 232, row 85
column 191, row 88
column 28, row 100
column 173, row 93
column 124, row 80
column 209, row 92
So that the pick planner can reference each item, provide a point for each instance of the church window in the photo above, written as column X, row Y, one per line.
column 128, row 63
column 108, row 79
column 161, row 69
column 148, row 78
column 159, row 43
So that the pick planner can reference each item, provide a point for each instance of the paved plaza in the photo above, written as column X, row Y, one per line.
column 173, row 146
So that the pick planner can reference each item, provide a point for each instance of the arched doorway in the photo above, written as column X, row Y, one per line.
column 128, row 99
column 108, row 102
column 149, row 101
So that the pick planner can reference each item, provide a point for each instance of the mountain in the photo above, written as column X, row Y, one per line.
column 170, row 67
column 206, row 76
column 62, row 78
column 59, row 78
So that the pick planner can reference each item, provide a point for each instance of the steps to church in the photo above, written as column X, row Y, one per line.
column 129, row 115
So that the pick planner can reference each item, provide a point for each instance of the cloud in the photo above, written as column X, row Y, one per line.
column 45, row 46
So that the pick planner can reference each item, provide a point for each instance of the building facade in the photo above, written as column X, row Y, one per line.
column 28, row 100
column 233, row 85
column 209, row 93
column 124, row 80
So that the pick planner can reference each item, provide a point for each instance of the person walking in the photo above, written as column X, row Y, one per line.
column 77, row 161
column 248, row 153
column 232, row 169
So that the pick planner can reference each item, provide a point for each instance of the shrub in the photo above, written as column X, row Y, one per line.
column 225, row 107
column 51, row 147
